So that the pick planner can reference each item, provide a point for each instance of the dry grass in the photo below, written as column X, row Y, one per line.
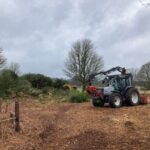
column 6, row 127
column 65, row 126
column 146, row 92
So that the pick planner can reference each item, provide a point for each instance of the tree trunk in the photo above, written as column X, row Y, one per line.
column 83, row 87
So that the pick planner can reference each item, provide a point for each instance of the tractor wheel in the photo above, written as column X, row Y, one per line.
column 97, row 102
column 133, row 97
column 115, row 100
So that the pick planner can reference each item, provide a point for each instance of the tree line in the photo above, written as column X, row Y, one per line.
column 12, row 82
column 82, row 61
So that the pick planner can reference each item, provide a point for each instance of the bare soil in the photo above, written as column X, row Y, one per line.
column 66, row 126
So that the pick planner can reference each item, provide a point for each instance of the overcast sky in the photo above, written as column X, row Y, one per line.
column 38, row 34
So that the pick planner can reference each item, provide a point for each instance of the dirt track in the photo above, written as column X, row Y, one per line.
column 68, row 126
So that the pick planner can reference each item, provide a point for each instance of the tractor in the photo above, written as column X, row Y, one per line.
column 118, row 89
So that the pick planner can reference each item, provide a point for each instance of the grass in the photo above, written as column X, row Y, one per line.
column 78, row 97
column 73, row 96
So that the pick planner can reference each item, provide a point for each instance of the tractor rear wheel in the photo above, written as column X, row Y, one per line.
column 133, row 97
column 115, row 100
column 97, row 102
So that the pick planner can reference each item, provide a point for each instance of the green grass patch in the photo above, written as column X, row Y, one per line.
column 72, row 96
column 78, row 97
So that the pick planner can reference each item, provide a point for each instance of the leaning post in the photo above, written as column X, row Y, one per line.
column 17, row 116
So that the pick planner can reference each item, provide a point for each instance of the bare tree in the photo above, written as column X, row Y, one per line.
column 2, row 59
column 82, row 61
column 134, row 72
column 144, row 75
column 15, row 68
column 145, row 3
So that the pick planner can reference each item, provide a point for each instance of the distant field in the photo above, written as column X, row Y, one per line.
column 66, row 126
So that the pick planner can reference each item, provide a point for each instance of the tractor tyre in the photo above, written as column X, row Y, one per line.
column 132, row 97
column 97, row 102
column 115, row 100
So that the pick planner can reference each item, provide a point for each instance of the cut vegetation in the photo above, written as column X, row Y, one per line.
column 66, row 126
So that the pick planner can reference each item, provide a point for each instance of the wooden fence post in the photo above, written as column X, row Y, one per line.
column 17, row 116
column 12, row 116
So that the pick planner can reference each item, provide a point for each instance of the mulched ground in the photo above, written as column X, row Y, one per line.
column 65, row 126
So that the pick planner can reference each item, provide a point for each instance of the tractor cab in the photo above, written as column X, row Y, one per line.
column 118, row 82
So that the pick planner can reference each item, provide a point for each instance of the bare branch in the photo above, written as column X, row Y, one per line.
column 2, row 59
column 15, row 68
column 145, row 4
column 144, row 75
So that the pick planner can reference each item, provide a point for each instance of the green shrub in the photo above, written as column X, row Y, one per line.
column 73, row 96
column 60, row 93
column 45, row 90
column 35, row 92
column 59, row 83
column 8, row 81
column 38, row 81
column 78, row 97
column 23, row 86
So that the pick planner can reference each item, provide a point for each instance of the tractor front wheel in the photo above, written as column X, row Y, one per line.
column 115, row 100
column 97, row 102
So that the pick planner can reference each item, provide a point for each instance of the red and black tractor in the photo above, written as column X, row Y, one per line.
column 118, row 89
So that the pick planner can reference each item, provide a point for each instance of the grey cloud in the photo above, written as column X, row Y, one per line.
column 39, row 34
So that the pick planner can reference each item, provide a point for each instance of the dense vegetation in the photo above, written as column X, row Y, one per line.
column 38, row 81
column 33, row 84
column 38, row 85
